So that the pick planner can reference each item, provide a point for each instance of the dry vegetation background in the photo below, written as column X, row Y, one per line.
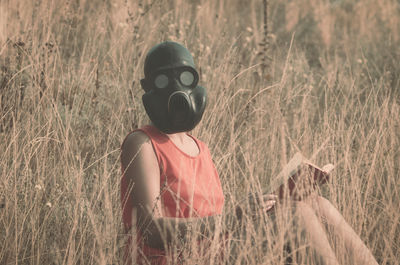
column 69, row 93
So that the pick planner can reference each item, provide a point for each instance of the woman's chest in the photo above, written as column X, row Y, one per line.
column 191, row 190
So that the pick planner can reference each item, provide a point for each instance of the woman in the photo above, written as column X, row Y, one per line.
column 170, row 183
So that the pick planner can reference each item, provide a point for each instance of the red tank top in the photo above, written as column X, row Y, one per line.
column 189, row 186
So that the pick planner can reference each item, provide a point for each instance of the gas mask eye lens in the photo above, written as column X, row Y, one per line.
column 187, row 78
column 161, row 81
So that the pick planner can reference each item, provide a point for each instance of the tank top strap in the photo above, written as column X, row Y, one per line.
column 159, row 138
column 161, row 144
column 154, row 134
column 165, row 149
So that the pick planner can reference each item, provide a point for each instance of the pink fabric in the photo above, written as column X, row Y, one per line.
column 189, row 185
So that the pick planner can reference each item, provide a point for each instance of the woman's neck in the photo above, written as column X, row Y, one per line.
column 180, row 137
column 184, row 142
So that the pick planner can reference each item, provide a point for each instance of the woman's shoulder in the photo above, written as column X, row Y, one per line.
column 136, row 143
column 135, row 138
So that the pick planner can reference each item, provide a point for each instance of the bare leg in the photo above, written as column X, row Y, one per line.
column 327, row 212
column 317, row 235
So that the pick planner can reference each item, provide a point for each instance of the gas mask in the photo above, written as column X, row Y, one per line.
column 172, row 100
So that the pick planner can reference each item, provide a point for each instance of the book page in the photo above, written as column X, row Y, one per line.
column 299, row 178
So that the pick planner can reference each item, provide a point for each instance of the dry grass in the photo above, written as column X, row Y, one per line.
column 69, row 93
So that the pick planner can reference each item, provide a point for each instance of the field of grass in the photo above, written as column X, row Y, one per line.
column 325, row 81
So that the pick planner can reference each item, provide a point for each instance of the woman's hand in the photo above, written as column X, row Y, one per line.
column 250, row 208
column 268, row 202
column 255, row 205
